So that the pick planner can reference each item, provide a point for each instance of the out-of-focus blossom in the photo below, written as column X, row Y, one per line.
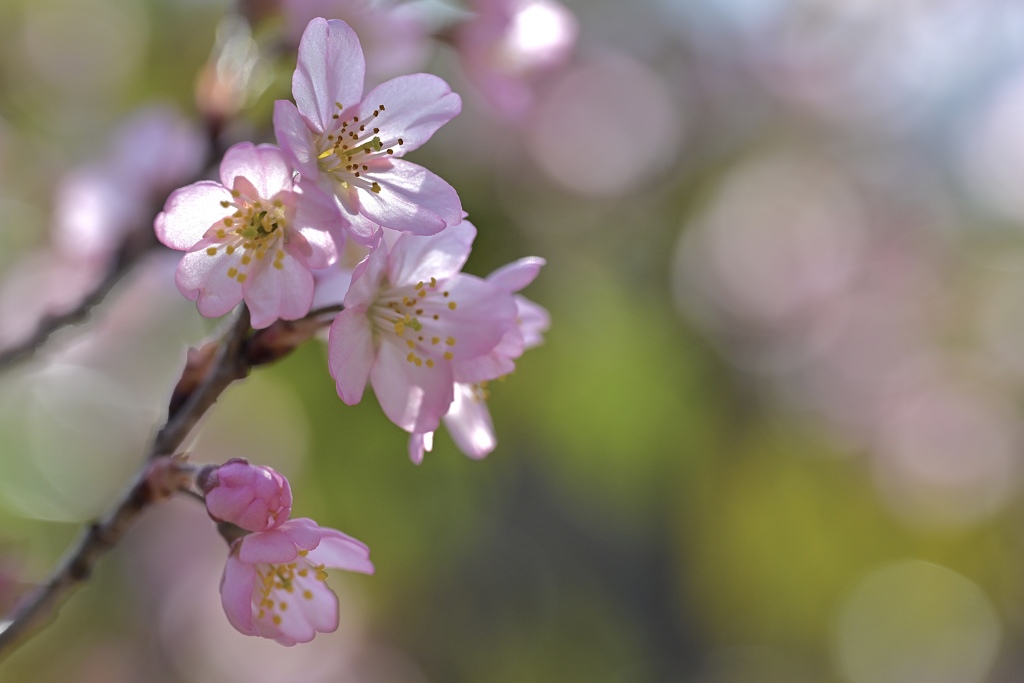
column 468, row 420
column 409, row 314
column 508, row 46
column 97, row 205
column 394, row 36
column 350, row 144
column 253, row 497
column 571, row 131
column 253, row 236
column 235, row 73
column 274, row 581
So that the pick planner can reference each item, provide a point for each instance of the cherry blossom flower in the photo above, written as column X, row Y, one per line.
column 351, row 145
column 253, row 236
column 468, row 420
column 409, row 315
column 253, row 497
column 509, row 45
column 274, row 581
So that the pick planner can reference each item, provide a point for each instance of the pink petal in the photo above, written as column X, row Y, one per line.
column 342, row 552
column 303, row 532
column 412, row 397
column 271, row 547
column 412, row 199
column 366, row 279
column 204, row 279
column 533, row 321
column 420, row 444
column 318, row 613
column 469, row 423
column 318, row 219
column 415, row 106
column 284, row 293
column 264, row 166
column 413, row 258
column 484, row 314
column 330, row 71
column 236, row 586
column 189, row 213
column 350, row 354
column 516, row 275
column 295, row 139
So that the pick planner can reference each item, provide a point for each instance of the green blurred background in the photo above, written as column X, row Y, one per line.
column 773, row 434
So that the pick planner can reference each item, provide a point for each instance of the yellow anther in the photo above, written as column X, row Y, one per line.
column 411, row 357
column 230, row 250
column 375, row 187
column 278, row 265
column 448, row 355
column 211, row 251
column 283, row 605
column 451, row 305
column 308, row 594
column 225, row 203
column 241, row 277
column 326, row 153
column 221, row 234
column 410, row 343
column 430, row 362
column 450, row 341
column 435, row 340
column 303, row 553
column 232, row 272
column 276, row 619
column 433, row 282
column 228, row 222
column 400, row 328
column 247, row 259
column 418, row 362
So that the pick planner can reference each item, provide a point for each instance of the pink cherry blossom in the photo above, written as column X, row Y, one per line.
column 253, row 497
column 274, row 581
column 510, row 45
column 409, row 316
column 253, row 236
column 351, row 145
column 468, row 420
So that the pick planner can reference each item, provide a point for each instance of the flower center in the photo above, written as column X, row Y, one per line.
column 416, row 317
column 350, row 148
column 278, row 583
column 253, row 231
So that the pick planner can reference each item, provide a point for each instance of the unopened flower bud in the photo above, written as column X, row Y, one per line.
column 253, row 497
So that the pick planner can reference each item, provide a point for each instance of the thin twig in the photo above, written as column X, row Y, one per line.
column 126, row 256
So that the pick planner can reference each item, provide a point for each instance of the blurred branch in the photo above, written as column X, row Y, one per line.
column 126, row 256
column 207, row 373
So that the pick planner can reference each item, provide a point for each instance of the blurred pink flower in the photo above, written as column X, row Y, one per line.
column 468, row 420
column 274, row 581
column 253, row 497
column 395, row 37
column 98, row 204
column 409, row 315
column 229, row 229
column 350, row 144
column 509, row 45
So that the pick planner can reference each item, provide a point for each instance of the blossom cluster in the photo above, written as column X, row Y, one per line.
column 333, row 215
column 274, row 231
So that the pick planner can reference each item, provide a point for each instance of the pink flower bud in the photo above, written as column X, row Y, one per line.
column 252, row 497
